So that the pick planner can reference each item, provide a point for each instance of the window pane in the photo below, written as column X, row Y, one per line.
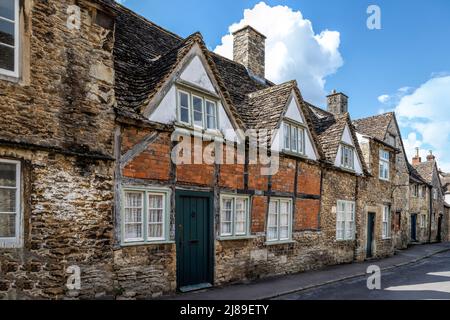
column 226, row 217
column 7, row 32
column 133, row 231
column 211, row 115
column 198, row 111
column 287, row 134
column 272, row 233
column 155, row 231
column 7, row 175
column 155, row 201
column 294, row 138
column 284, row 233
column 6, row 58
column 184, row 100
column 7, row 200
column 133, row 215
column 155, row 216
column 7, row 225
column 7, row 9
column 184, row 107
column 301, row 141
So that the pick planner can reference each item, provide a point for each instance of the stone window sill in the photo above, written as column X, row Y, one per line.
column 274, row 243
column 136, row 244
column 236, row 238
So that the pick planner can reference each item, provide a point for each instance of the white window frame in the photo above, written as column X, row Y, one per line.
column 16, row 47
column 386, row 230
column 351, row 165
column 191, row 112
column 233, row 221
column 435, row 194
column 146, row 192
column 216, row 124
column 300, row 141
column 384, row 164
column 203, row 125
column 179, row 93
column 343, row 224
column 17, row 240
column 277, row 202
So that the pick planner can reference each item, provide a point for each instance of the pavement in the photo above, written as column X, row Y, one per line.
column 271, row 288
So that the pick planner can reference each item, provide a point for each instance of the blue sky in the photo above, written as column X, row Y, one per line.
column 405, row 66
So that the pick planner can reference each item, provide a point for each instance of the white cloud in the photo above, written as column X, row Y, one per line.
column 384, row 98
column 293, row 50
column 425, row 113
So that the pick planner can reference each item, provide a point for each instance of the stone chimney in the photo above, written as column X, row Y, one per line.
column 249, row 49
column 337, row 103
column 417, row 159
column 431, row 157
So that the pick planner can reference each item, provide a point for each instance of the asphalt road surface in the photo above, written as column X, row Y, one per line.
column 427, row 279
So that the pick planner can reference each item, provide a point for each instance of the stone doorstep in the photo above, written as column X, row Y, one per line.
column 344, row 278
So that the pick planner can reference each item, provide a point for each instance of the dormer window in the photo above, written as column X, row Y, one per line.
column 294, row 138
column 197, row 110
column 348, row 157
column 9, row 38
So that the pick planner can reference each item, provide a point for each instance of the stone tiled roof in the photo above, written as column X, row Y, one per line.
column 415, row 175
column 264, row 108
column 329, row 129
column 375, row 126
column 142, row 67
column 425, row 170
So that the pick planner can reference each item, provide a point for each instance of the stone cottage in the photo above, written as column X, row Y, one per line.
column 135, row 163
column 56, row 146
column 384, row 153
column 437, row 225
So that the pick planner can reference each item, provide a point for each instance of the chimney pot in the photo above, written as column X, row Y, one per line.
column 249, row 49
column 431, row 157
column 337, row 103
column 417, row 159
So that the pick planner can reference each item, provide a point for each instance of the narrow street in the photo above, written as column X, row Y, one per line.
column 424, row 280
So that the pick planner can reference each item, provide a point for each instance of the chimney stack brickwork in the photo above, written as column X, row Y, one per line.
column 417, row 159
column 337, row 103
column 431, row 157
column 249, row 50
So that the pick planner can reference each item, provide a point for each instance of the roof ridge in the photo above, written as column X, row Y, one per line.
column 276, row 87
column 375, row 116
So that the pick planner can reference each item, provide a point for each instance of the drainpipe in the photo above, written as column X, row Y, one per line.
column 430, row 214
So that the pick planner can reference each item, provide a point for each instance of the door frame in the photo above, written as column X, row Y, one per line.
column 210, row 224
column 374, row 215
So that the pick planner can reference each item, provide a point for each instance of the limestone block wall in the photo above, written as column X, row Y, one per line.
column 67, row 210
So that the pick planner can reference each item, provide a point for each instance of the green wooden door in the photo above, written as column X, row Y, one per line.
column 194, row 234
